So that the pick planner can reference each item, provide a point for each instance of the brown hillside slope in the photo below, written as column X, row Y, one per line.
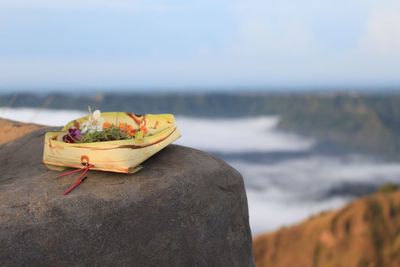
column 11, row 130
column 364, row 233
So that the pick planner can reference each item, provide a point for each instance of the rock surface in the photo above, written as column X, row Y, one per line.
column 364, row 233
column 184, row 208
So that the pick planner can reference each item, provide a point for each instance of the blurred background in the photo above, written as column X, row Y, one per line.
column 302, row 97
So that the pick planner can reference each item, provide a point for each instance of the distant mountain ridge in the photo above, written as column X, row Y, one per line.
column 365, row 233
column 369, row 123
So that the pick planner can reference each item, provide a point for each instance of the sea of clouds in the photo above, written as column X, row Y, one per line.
column 281, row 190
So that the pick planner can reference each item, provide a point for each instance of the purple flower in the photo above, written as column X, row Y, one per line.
column 73, row 135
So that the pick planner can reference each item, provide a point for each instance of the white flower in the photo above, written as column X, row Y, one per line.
column 93, row 124
column 96, row 115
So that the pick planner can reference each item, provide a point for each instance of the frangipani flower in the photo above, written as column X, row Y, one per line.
column 96, row 114
column 93, row 124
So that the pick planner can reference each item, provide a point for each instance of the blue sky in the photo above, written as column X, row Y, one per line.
column 123, row 44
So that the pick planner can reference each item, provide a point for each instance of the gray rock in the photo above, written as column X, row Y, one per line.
column 184, row 208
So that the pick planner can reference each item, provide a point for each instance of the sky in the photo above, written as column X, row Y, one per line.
column 187, row 45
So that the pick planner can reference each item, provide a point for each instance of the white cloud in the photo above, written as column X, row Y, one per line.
column 382, row 34
column 260, row 135
column 268, row 29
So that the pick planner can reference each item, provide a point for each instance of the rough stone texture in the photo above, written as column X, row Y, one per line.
column 185, row 208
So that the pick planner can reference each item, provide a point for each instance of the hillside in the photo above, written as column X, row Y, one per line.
column 364, row 233
column 369, row 124
column 11, row 130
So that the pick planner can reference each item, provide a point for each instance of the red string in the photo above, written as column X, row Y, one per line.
column 80, row 179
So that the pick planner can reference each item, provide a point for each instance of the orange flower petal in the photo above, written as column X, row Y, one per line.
column 122, row 126
column 107, row 125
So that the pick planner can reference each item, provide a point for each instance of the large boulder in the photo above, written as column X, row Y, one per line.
column 184, row 208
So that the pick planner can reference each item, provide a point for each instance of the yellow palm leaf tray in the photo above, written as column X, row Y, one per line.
column 123, row 156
